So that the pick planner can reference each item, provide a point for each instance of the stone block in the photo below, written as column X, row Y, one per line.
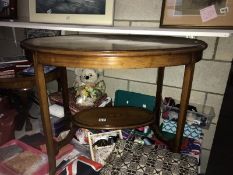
column 173, row 76
column 216, row 102
column 196, row 97
column 113, row 84
column 209, row 52
column 208, row 136
column 9, row 48
column 145, row 24
column 143, row 88
column 137, row 9
column 211, row 76
column 23, row 10
column 224, row 49
column 121, row 23
column 205, row 154
column 6, row 33
column 143, row 75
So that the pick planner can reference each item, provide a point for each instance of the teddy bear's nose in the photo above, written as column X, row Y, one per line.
column 86, row 77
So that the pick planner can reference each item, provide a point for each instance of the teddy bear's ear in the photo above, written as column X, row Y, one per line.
column 77, row 71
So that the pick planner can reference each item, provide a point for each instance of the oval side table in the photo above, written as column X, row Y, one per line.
column 113, row 52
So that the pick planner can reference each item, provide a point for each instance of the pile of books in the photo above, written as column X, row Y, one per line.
column 9, row 66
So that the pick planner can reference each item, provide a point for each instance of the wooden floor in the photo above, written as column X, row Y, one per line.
column 221, row 156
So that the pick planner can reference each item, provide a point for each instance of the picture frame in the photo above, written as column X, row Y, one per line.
column 83, row 12
column 100, row 152
column 206, row 14
column 8, row 9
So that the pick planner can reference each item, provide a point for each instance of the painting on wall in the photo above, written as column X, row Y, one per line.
column 197, row 14
column 96, row 12
column 71, row 6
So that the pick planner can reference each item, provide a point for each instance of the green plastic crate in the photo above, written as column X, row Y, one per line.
column 126, row 98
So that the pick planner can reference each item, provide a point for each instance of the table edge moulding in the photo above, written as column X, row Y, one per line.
column 113, row 52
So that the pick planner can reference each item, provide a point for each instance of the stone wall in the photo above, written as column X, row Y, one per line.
column 210, row 76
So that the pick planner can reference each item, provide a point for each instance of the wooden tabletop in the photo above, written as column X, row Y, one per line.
column 115, row 51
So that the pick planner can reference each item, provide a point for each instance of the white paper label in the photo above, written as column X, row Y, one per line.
column 208, row 13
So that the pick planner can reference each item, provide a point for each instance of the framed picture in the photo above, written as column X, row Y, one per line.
column 216, row 14
column 102, row 144
column 8, row 9
column 88, row 12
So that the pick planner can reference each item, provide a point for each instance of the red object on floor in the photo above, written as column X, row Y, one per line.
column 63, row 151
column 4, row 104
column 7, row 125
column 82, row 166
column 39, row 169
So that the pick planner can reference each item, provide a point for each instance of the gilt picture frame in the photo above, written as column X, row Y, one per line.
column 206, row 14
column 83, row 12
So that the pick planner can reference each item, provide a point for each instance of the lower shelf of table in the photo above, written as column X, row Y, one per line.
column 114, row 118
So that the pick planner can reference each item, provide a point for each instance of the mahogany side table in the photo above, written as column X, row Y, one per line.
column 22, row 85
column 113, row 52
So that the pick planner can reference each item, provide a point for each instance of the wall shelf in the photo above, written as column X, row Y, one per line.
column 120, row 30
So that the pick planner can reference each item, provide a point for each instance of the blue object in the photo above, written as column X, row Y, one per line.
column 30, row 70
column 126, row 98
column 190, row 131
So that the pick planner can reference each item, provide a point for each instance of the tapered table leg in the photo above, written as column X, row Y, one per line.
column 186, row 90
column 158, row 103
column 23, row 110
column 45, row 117
column 159, row 94
column 24, row 98
column 65, row 97
column 65, row 93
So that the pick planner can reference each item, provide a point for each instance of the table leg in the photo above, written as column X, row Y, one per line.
column 158, row 102
column 45, row 117
column 186, row 90
column 23, row 110
column 65, row 96
column 159, row 90
column 22, row 104
column 24, row 98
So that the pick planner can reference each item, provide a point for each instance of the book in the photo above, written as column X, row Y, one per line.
column 14, row 59
column 7, row 76
column 6, row 66
column 30, row 70
column 7, row 72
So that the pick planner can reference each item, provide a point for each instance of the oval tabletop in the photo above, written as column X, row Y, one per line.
column 115, row 51
column 114, row 118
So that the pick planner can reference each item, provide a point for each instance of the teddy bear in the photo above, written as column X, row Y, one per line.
column 88, row 86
